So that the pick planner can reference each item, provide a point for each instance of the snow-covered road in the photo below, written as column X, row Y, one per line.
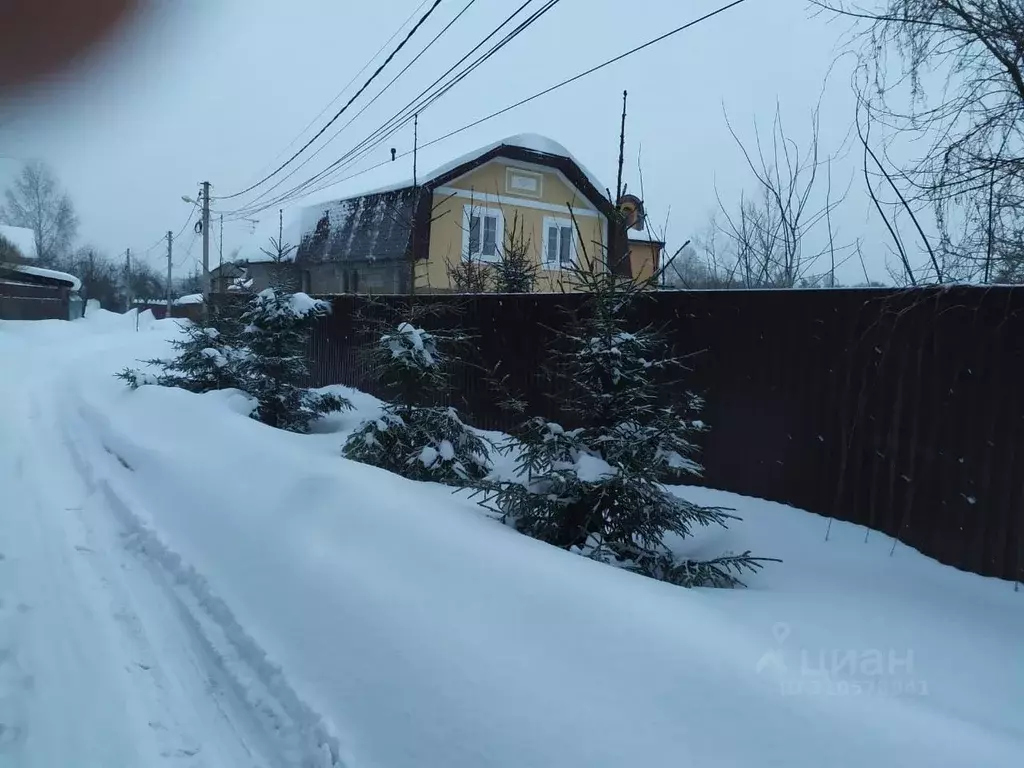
column 182, row 586
column 101, row 665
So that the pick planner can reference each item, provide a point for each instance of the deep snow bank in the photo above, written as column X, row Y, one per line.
column 426, row 634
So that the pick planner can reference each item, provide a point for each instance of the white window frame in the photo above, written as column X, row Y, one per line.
column 511, row 171
column 499, row 232
column 555, row 264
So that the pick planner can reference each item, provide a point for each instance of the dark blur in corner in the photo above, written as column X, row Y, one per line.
column 40, row 38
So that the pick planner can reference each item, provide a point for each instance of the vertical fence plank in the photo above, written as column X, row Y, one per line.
column 858, row 404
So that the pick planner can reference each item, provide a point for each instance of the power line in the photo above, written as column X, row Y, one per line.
column 139, row 253
column 347, row 104
column 348, row 85
column 252, row 204
column 544, row 92
column 425, row 99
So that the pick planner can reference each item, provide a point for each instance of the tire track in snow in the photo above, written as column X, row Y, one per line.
column 93, row 671
column 252, row 687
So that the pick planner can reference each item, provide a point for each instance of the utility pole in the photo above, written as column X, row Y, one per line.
column 622, row 151
column 221, row 244
column 206, row 249
column 170, row 300
column 414, row 249
column 415, row 144
column 128, row 278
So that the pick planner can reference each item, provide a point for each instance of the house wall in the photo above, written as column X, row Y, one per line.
column 644, row 259
column 261, row 273
column 486, row 187
column 381, row 277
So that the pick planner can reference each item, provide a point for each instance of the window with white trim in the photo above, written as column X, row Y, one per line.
column 559, row 243
column 482, row 232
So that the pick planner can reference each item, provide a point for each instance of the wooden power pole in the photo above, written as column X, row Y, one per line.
column 170, row 300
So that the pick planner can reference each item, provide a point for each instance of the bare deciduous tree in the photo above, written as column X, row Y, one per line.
column 767, row 232
column 35, row 201
column 958, row 92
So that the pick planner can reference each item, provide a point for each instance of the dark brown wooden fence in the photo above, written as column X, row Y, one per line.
column 22, row 301
column 902, row 411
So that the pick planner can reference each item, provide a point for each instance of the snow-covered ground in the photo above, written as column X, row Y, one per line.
column 182, row 585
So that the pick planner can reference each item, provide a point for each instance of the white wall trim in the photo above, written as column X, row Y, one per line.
column 556, row 264
column 521, row 202
column 499, row 233
column 581, row 202
column 512, row 170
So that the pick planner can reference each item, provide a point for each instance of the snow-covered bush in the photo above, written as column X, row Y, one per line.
column 206, row 360
column 412, row 437
column 258, row 347
column 274, row 370
column 598, row 489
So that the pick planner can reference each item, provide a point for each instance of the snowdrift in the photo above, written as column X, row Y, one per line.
column 409, row 630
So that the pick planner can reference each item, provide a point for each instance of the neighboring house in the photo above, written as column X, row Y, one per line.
column 250, row 275
column 645, row 251
column 405, row 238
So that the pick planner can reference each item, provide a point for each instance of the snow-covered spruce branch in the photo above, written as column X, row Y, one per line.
column 414, row 436
column 597, row 489
column 259, row 348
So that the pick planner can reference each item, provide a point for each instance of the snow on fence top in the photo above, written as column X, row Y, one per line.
column 53, row 274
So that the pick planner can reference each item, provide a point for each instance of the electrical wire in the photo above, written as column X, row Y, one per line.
column 162, row 240
column 253, row 206
column 413, row 108
column 539, row 94
column 347, row 85
column 366, row 106
column 341, row 111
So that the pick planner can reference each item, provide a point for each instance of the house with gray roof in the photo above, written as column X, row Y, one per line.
column 406, row 238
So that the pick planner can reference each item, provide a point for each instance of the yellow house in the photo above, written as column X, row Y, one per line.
column 525, row 192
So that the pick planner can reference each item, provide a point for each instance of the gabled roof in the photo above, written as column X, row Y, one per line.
column 383, row 224
column 369, row 227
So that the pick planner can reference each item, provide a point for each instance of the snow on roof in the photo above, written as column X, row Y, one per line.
column 53, row 274
column 192, row 298
column 263, row 258
column 21, row 238
column 531, row 141
column 644, row 236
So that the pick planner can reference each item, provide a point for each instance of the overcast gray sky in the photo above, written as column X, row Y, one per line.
column 217, row 89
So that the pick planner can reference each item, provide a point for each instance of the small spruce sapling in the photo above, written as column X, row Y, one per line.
column 208, row 357
column 411, row 437
column 597, row 489
column 276, row 332
column 516, row 268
